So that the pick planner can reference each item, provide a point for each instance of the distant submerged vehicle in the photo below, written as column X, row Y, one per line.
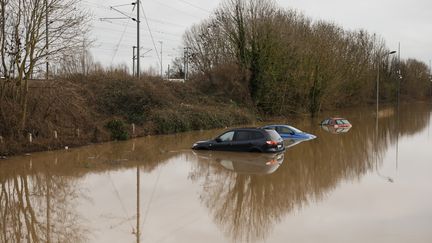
column 336, row 125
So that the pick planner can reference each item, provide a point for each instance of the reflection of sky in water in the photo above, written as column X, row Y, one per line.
column 330, row 189
column 373, row 210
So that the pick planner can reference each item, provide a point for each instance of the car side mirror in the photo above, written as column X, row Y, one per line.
column 218, row 140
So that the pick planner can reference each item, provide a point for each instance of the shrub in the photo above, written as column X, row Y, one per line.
column 196, row 118
column 117, row 129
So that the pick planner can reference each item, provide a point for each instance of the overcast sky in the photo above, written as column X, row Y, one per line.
column 406, row 21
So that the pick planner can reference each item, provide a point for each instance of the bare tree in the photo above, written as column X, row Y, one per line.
column 34, row 32
column 79, row 62
column 288, row 62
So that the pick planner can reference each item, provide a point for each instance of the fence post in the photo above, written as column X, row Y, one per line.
column 78, row 132
column 1, row 139
column 133, row 129
column 55, row 134
column 30, row 137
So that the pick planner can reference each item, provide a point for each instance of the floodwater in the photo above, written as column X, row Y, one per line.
column 357, row 186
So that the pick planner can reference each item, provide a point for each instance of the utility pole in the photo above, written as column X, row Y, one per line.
column 185, row 65
column 138, row 38
column 83, row 64
column 137, row 20
column 430, row 78
column 48, row 207
column 138, row 236
column 399, row 76
column 46, row 39
column 161, row 67
column 133, row 60
column 380, row 56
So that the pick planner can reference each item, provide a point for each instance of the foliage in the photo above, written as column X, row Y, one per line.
column 117, row 129
column 289, row 63
column 196, row 118
column 126, row 99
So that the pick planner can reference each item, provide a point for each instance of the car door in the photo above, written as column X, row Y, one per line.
column 224, row 141
column 242, row 141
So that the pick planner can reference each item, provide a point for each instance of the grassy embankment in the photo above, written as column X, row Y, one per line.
column 79, row 110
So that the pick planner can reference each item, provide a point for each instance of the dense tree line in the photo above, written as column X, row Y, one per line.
column 282, row 61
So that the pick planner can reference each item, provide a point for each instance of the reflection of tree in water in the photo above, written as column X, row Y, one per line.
column 246, row 207
column 39, row 208
column 37, row 197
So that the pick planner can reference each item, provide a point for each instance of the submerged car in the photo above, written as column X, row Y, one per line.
column 336, row 125
column 290, row 132
column 336, row 122
column 244, row 140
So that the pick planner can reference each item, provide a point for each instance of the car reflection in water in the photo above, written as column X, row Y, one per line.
column 293, row 142
column 335, row 130
column 243, row 163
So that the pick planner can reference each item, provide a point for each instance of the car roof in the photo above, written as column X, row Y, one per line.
column 275, row 125
column 247, row 129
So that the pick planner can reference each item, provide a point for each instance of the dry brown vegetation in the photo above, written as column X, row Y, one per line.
column 79, row 107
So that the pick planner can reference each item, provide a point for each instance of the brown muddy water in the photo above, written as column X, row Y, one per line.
column 358, row 186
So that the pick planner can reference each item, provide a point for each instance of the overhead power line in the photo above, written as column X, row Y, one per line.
column 195, row 6
column 154, row 31
column 128, row 33
column 176, row 9
column 166, row 22
column 151, row 35
column 137, row 20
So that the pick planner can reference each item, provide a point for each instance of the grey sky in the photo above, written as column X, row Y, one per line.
column 407, row 22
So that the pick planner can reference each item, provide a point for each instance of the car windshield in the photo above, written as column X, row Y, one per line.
column 342, row 121
column 295, row 129
column 273, row 135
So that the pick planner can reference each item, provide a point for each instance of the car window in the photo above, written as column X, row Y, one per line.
column 345, row 121
column 256, row 135
column 326, row 122
column 284, row 130
column 242, row 135
column 339, row 122
column 227, row 137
